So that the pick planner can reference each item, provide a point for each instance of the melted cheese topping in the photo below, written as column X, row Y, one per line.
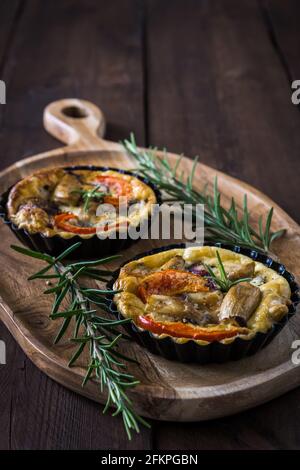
column 35, row 202
column 165, row 305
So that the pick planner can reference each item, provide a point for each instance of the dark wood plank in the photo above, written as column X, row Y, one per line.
column 72, row 49
column 89, row 50
column 272, row 426
column 9, row 14
column 45, row 415
column 282, row 19
column 10, row 11
column 217, row 88
column 8, row 372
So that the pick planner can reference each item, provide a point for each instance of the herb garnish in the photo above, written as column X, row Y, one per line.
column 221, row 225
column 223, row 281
column 100, row 334
column 89, row 194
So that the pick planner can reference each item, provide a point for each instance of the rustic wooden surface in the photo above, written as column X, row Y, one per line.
column 168, row 390
column 211, row 78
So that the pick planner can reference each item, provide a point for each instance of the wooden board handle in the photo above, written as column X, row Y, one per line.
column 77, row 123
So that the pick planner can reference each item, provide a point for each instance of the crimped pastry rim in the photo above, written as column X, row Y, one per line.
column 175, row 346
column 5, row 195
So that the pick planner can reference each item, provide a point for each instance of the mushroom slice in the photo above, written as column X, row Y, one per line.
column 177, row 262
column 238, row 271
column 210, row 300
column 135, row 269
column 31, row 218
column 278, row 306
column 166, row 308
column 240, row 302
column 66, row 190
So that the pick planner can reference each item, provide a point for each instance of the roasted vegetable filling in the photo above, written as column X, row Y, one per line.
column 79, row 202
column 201, row 293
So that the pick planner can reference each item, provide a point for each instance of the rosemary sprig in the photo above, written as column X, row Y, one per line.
column 91, row 330
column 221, row 225
column 89, row 194
column 222, row 281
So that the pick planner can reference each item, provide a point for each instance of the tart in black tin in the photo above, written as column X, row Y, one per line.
column 51, row 242
column 218, row 351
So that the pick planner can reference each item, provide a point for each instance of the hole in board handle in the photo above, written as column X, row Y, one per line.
column 75, row 112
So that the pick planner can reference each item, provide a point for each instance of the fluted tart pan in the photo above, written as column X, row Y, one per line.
column 213, row 352
column 92, row 247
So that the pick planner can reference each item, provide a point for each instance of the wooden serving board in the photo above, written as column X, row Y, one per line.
column 168, row 390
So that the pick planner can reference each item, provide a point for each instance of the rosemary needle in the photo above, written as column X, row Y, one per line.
column 222, row 281
column 221, row 224
column 100, row 335
column 88, row 195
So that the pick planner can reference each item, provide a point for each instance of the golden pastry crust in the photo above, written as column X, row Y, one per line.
column 35, row 201
column 272, row 291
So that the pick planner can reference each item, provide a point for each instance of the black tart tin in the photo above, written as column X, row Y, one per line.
column 214, row 352
column 90, row 248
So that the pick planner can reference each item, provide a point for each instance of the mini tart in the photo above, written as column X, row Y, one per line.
column 43, row 209
column 51, row 202
column 171, row 296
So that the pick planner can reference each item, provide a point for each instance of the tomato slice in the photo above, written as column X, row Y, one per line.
column 184, row 330
column 171, row 282
column 62, row 221
column 118, row 187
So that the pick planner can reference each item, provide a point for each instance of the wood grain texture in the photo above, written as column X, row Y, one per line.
column 216, row 100
column 10, row 11
column 283, row 26
column 167, row 390
column 107, row 69
column 186, row 119
column 35, row 75
column 256, row 429
column 222, row 91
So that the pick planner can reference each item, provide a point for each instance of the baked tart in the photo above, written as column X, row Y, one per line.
column 56, row 207
column 180, row 310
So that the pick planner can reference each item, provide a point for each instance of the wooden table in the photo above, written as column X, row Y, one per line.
column 211, row 78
